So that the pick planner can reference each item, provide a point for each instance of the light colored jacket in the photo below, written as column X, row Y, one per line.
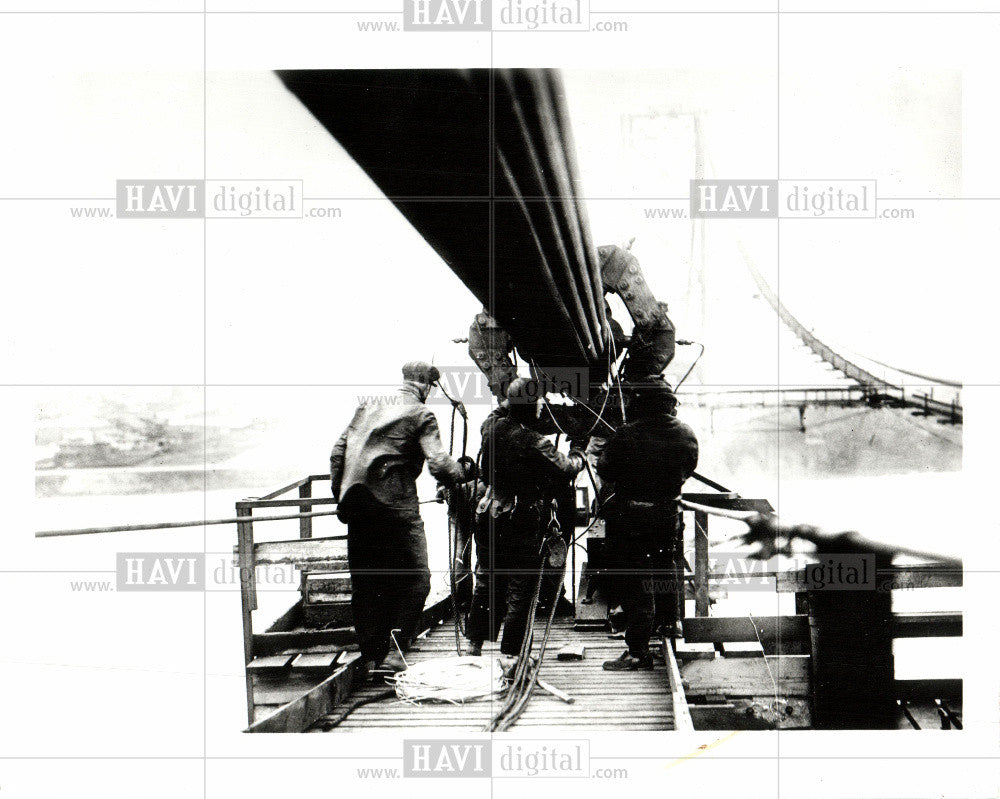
column 382, row 452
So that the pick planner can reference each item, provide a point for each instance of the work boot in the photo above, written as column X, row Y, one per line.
column 393, row 663
column 475, row 648
column 672, row 629
column 363, row 671
column 629, row 662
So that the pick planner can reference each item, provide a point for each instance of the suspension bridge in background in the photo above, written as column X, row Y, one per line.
column 859, row 380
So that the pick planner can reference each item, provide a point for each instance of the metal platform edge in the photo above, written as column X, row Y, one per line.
column 682, row 713
column 299, row 714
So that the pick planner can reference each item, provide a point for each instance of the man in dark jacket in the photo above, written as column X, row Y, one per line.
column 523, row 470
column 644, row 464
column 374, row 466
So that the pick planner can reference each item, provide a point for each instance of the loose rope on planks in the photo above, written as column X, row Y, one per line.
column 453, row 680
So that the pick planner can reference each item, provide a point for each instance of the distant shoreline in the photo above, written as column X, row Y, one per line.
column 155, row 480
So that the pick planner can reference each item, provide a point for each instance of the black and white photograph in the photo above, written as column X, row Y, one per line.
column 514, row 391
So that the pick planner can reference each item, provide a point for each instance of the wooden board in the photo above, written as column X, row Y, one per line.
column 294, row 695
column 682, row 716
column 322, row 614
column 316, row 553
column 322, row 661
column 685, row 650
column 724, row 629
column 744, row 649
column 895, row 578
column 772, row 629
column 299, row 713
column 281, row 688
column 269, row 663
column 324, row 598
column 571, row 652
column 328, row 583
column 300, row 640
column 741, row 677
column 602, row 700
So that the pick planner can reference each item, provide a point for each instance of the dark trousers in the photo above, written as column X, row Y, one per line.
column 387, row 556
column 462, row 578
column 507, row 569
column 553, row 581
column 641, row 559
column 461, row 517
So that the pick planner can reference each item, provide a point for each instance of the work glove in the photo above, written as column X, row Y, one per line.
column 469, row 467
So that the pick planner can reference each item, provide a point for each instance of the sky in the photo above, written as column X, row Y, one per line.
column 902, row 129
column 346, row 301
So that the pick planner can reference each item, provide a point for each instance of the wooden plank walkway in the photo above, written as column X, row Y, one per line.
column 603, row 700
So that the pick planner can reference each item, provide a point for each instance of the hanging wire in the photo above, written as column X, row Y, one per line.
column 453, row 583
column 590, row 411
column 456, row 408
column 545, row 401
column 591, row 525
column 692, row 366
column 770, row 673
column 607, row 395
column 598, row 417
column 526, row 670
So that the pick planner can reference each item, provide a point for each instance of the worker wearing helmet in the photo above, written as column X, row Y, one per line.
column 644, row 464
column 374, row 466
column 523, row 470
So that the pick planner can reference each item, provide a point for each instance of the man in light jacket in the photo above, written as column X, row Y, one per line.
column 374, row 467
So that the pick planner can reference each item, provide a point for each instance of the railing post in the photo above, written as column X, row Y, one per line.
column 678, row 577
column 852, row 664
column 305, row 526
column 248, row 592
column 701, row 600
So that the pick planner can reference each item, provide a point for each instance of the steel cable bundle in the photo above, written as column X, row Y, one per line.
column 525, row 672
column 466, row 136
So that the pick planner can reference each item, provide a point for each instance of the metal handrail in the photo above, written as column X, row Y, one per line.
column 130, row 528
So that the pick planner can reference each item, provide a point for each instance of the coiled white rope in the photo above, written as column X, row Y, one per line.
column 454, row 680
